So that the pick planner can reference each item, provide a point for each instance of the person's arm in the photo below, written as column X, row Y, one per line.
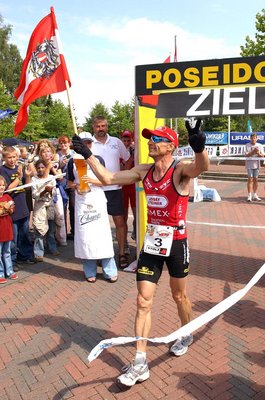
column 18, row 180
column 105, row 176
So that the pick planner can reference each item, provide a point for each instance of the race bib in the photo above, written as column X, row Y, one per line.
column 158, row 240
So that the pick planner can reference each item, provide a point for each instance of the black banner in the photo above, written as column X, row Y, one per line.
column 210, row 102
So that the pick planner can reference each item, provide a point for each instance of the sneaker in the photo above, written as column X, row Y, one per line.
column 39, row 259
column 256, row 197
column 181, row 345
column 2, row 280
column 133, row 374
column 55, row 253
column 249, row 198
column 30, row 261
column 13, row 276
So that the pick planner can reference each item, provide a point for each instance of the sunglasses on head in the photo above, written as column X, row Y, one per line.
column 158, row 139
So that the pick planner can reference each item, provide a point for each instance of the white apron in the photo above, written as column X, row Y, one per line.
column 93, row 238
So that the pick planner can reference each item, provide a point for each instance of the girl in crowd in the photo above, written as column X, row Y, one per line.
column 6, row 234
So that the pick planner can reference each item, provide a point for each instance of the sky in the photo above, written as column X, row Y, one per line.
column 104, row 40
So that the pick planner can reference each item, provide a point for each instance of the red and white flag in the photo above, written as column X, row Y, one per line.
column 43, row 71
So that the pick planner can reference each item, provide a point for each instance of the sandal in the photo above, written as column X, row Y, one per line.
column 123, row 261
column 113, row 279
column 92, row 279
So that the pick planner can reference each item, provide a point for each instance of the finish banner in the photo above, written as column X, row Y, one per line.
column 211, row 102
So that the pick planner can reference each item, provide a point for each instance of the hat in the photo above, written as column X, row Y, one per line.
column 126, row 133
column 86, row 136
column 162, row 131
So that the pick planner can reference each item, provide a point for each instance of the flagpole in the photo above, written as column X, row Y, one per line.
column 175, row 60
column 71, row 107
column 66, row 81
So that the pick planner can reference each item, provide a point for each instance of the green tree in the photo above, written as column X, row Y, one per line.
column 98, row 109
column 6, row 101
column 57, row 120
column 256, row 47
column 10, row 59
column 122, row 118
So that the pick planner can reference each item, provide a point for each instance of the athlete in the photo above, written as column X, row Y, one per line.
column 166, row 185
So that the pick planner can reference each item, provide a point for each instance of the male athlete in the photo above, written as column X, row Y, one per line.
column 166, row 185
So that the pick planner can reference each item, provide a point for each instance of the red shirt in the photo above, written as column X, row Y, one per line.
column 165, row 206
column 6, row 224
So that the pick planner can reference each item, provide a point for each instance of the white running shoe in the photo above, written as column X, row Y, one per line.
column 181, row 345
column 249, row 198
column 133, row 374
column 256, row 197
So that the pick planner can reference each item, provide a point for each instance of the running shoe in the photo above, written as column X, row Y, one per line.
column 249, row 198
column 256, row 197
column 181, row 345
column 133, row 374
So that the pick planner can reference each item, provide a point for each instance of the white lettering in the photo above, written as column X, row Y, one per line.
column 192, row 111
column 252, row 103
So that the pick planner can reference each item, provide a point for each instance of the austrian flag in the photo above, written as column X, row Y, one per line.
column 43, row 71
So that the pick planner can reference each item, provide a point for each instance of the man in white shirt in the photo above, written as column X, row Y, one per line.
column 112, row 150
column 253, row 150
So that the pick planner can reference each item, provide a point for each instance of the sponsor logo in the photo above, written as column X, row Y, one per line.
column 145, row 271
column 157, row 201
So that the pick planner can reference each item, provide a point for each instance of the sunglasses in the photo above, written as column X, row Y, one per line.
column 158, row 139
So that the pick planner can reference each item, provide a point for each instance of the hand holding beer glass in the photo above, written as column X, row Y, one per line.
column 81, row 167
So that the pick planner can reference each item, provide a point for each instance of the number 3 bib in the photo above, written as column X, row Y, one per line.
column 158, row 240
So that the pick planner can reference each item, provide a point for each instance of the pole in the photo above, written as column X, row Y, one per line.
column 71, row 106
column 66, row 82
column 228, row 133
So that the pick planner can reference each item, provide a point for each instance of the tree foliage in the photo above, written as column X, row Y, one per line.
column 10, row 59
column 256, row 47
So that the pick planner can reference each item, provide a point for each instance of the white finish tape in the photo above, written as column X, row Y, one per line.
column 187, row 329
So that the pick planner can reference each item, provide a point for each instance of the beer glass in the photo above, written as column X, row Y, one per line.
column 81, row 167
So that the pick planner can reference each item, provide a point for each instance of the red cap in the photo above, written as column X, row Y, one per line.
column 162, row 131
column 126, row 133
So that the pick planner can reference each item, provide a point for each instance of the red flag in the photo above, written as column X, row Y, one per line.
column 43, row 71
column 151, row 100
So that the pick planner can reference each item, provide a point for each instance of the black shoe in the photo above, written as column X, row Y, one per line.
column 29, row 262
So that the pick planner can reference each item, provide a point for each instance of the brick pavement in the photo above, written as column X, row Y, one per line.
column 51, row 318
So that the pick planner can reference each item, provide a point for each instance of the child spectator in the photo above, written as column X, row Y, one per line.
column 6, row 234
column 50, row 158
column 43, row 212
column 15, row 176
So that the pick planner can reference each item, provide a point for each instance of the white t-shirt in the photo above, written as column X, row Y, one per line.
column 112, row 151
column 253, row 164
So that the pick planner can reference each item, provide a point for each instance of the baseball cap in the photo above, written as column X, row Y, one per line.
column 162, row 131
column 86, row 136
column 126, row 133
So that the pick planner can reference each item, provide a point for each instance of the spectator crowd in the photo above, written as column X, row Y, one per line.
column 42, row 205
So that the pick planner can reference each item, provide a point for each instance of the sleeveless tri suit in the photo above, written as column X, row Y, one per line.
column 166, row 234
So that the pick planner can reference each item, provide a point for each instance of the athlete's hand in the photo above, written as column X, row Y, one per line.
column 197, row 138
column 80, row 148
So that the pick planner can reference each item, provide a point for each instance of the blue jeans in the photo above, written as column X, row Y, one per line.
column 50, row 241
column 109, row 268
column 21, row 247
column 6, row 266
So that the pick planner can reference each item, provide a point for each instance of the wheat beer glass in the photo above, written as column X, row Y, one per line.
column 81, row 167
